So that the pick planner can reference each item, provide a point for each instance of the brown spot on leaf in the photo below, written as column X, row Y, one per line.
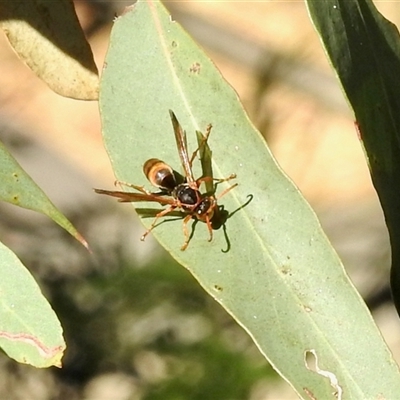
column 195, row 68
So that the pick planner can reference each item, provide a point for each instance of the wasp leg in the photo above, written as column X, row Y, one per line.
column 203, row 142
column 217, row 180
column 210, row 230
column 157, row 217
column 186, row 232
column 131, row 185
column 226, row 191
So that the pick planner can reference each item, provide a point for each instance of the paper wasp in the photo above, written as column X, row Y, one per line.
column 177, row 191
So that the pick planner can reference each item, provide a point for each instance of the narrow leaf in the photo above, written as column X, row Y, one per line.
column 48, row 38
column 270, row 266
column 18, row 188
column 30, row 332
column 364, row 48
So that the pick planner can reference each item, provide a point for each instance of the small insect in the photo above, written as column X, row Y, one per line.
column 177, row 191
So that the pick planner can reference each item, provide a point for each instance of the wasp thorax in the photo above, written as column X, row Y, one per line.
column 187, row 196
column 159, row 174
column 205, row 207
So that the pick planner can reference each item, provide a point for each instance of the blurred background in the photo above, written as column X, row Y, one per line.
column 137, row 325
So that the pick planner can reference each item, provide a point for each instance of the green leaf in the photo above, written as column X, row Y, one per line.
column 29, row 329
column 47, row 36
column 271, row 267
column 18, row 188
column 364, row 48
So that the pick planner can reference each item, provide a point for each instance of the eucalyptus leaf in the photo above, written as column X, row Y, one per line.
column 29, row 329
column 364, row 48
column 47, row 36
column 270, row 266
column 19, row 189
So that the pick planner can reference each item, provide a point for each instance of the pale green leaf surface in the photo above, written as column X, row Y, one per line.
column 29, row 329
column 18, row 188
column 280, row 278
column 47, row 36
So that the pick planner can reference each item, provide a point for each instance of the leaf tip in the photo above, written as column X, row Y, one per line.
column 83, row 241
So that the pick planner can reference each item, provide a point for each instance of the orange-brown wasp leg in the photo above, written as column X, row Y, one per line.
column 203, row 142
column 131, row 185
column 226, row 191
column 209, row 226
column 186, row 232
column 157, row 217
column 218, row 180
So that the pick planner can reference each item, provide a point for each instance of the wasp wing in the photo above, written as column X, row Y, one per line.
column 129, row 197
column 206, row 161
column 181, row 143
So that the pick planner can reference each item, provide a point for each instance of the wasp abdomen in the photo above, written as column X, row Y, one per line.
column 159, row 174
